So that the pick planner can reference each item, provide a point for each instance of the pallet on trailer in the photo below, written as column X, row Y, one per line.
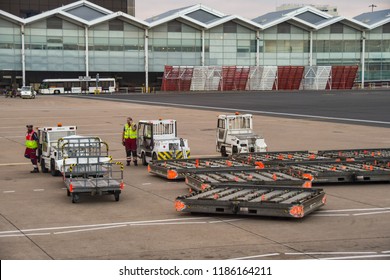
column 253, row 200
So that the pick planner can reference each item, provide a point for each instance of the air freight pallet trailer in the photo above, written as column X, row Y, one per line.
column 253, row 200
column 203, row 179
column 107, row 179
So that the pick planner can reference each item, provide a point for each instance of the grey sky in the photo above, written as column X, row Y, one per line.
column 253, row 8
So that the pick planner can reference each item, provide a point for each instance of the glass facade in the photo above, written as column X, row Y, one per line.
column 337, row 44
column 378, row 53
column 54, row 44
column 284, row 44
column 116, row 46
column 174, row 43
column 230, row 44
column 10, row 46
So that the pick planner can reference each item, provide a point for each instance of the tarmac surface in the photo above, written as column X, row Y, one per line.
column 39, row 221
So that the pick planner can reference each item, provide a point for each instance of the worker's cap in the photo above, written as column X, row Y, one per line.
column 29, row 125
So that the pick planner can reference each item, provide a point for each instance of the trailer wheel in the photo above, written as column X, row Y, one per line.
column 154, row 157
column 235, row 150
column 223, row 151
column 75, row 198
column 116, row 195
column 143, row 158
column 43, row 166
column 53, row 170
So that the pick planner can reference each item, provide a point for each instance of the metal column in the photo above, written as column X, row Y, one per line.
column 146, row 60
column 86, row 53
column 23, row 56
column 203, row 48
column 363, row 56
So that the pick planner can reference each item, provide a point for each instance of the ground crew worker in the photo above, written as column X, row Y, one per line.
column 31, row 147
column 129, row 140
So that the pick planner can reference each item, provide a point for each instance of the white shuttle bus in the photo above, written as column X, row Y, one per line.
column 61, row 86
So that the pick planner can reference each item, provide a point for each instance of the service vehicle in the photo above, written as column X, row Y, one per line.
column 235, row 135
column 27, row 92
column 48, row 150
column 158, row 140
column 60, row 147
column 80, row 85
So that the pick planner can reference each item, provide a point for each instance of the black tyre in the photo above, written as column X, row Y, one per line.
column 143, row 159
column 75, row 198
column 154, row 157
column 53, row 170
column 223, row 151
column 116, row 195
column 43, row 167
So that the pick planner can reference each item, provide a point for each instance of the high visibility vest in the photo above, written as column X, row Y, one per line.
column 30, row 142
column 129, row 133
column 133, row 134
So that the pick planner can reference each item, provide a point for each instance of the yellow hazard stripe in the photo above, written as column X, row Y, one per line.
column 169, row 155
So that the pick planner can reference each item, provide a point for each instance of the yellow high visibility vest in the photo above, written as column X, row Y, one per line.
column 30, row 143
column 129, row 133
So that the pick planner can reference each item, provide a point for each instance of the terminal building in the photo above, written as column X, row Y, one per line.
column 84, row 39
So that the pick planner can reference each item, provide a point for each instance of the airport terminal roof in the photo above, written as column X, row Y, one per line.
column 199, row 16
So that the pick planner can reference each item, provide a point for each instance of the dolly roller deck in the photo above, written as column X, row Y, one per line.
column 202, row 179
column 253, row 200
column 176, row 169
column 343, row 172
column 377, row 153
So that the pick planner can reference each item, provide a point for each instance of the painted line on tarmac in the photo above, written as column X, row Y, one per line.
column 98, row 225
column 88, row 229
column 371, row 213
column 8, row 191
column 85, row 228
column 38, row 190
column 366, row 211
column 14, row 163
column 331, row 253
column 357, row 257
column 354, row 210
column 257, row 256
column 249, row 111
column 351, row 255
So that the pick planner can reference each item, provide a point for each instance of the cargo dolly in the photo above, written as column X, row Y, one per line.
column 253, row 200
column 106, row 179
column 82, row 152
column 270, row 158
column 278, row 157
column 203, row 179
column 176, row 169
column 342, row 172
column 377, row 153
